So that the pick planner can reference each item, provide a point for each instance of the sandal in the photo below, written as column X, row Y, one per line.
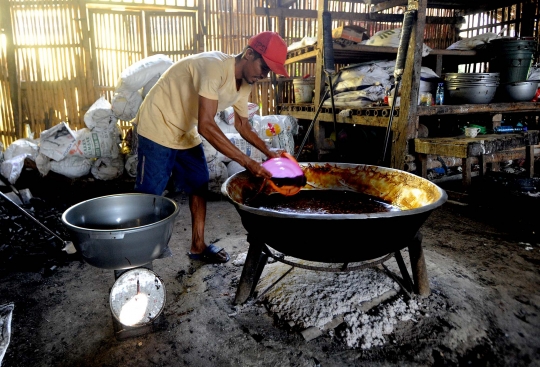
column 211, row 255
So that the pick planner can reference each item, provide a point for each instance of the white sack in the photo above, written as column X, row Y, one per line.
column 72, row 166
column 373, row 70
column 96, row 144
column 143, row 71
column 131, row 165
column 6, row 313
column 234, row 167
column 390, row 38
column 125, row 104
column 210, row 152
column 108, row 168
column 306, row 41
column 149, row 85
column 12, row 168
column 100, row 116
column 218, row 175
column 473, row 42
column 225, row 127
column 357, row 98
column 22, row 147
column 534, row 73
column 43, row 164
column 362, row 82
column 245, row 147
column 57, row 141
column 227, row 114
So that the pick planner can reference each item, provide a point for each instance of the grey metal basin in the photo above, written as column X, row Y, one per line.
column 121, row 231
column 520, row 91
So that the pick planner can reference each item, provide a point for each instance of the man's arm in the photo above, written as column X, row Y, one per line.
column 211, row 132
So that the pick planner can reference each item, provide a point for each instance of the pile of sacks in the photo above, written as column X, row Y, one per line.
column 363, row 85
column 96, row 150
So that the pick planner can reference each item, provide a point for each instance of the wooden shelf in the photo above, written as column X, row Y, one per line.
column 354, row 54
column 378, row 116
column 465, row 109
column 370, row 116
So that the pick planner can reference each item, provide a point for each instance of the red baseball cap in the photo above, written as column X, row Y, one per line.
column 273, row 50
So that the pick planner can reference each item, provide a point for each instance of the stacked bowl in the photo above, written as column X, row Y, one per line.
column 471, row 88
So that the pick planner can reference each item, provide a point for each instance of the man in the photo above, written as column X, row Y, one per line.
column 182, row 105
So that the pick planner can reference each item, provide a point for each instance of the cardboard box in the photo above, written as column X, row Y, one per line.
column 350, row 33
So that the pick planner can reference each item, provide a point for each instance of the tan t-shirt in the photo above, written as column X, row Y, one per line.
column 168, row 114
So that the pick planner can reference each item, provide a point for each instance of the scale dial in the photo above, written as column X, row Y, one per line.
column 137, row 297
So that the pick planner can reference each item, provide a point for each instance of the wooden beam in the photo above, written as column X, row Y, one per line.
column 407, row 123
column 366, row 17
column 387, row 5
column 5, row 20
column 465, row 109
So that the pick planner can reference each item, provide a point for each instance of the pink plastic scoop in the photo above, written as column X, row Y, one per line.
column 287, row 176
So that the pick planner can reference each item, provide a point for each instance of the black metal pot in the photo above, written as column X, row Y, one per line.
column 340, row 238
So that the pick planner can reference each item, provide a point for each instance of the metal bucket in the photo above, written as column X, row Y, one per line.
column 121, row 231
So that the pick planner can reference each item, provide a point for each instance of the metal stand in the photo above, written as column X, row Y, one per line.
column 258, row 254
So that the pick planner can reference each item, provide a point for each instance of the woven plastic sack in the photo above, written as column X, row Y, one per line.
column 100, row 116
column 143, row 71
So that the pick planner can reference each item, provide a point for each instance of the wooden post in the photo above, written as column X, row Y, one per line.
column 407, row 123
column 14, row 87
column 418, row 266
column 318, row 130
column 529, row 160
column 255, row 262
column 91, row 90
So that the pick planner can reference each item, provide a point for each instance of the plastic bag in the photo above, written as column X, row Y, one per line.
column 131, row 165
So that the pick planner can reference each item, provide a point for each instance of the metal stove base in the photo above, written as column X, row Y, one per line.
column 257, row 257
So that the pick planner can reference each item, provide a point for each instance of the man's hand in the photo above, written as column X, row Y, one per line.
column 276, row 153
column 257, row 169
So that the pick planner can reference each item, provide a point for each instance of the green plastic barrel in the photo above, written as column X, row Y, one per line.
column 512, row 59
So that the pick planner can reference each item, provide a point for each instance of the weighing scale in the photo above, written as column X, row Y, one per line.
column 136, row 300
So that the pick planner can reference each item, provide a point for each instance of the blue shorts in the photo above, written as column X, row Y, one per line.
column 157, row 164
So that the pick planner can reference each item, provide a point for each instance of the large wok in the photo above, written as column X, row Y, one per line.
column 339, row 238
column 121, row 231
